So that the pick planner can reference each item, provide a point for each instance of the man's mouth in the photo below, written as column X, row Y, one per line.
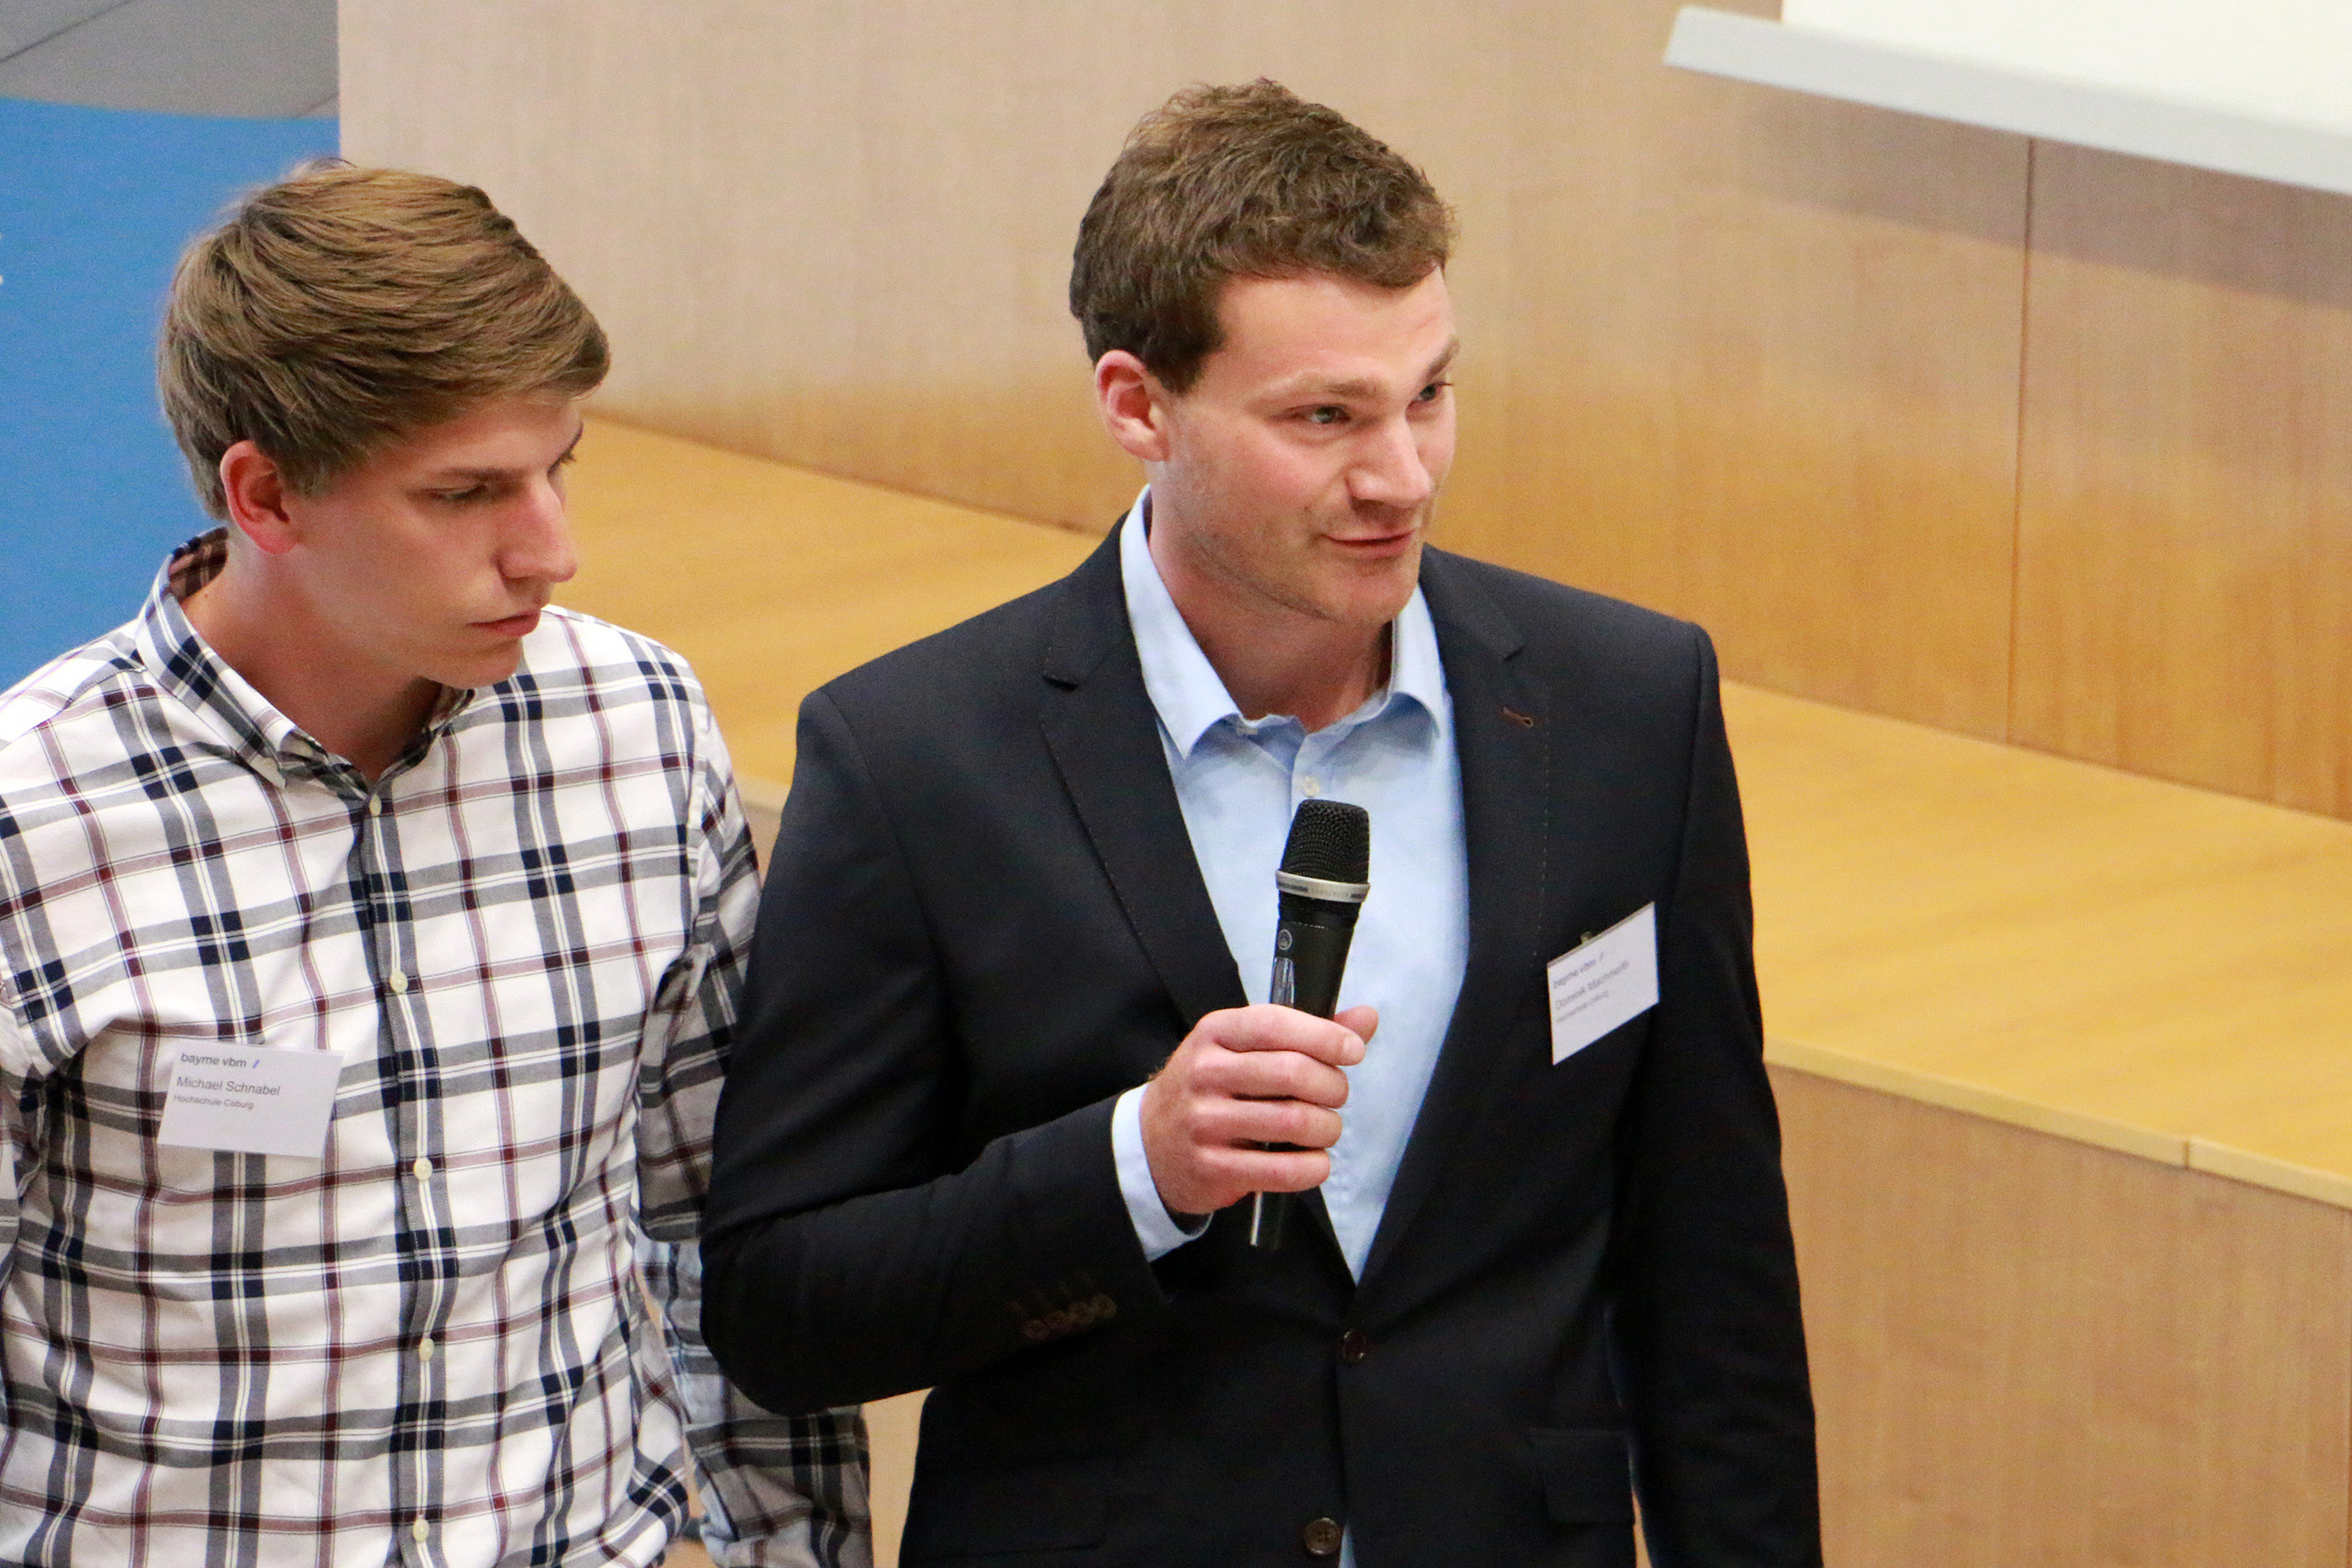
column 513, row 625
column 1377, row 545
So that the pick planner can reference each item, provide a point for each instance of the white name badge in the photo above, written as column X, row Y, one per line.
column 250, row 1100
column 1602, row 982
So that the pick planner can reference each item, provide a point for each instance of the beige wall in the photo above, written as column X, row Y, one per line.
column 1787, row 366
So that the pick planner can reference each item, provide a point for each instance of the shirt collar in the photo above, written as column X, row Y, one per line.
column 1186, row 691
column 181, row 662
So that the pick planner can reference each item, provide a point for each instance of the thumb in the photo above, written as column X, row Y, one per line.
column 1364, row 1021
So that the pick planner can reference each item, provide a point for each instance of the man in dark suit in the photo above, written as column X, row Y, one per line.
column 1002, row 1084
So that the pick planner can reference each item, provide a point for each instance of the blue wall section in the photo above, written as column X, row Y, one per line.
column 95, row 205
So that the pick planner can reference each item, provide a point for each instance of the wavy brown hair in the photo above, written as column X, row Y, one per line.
column 342, row 309
column 1241, row 182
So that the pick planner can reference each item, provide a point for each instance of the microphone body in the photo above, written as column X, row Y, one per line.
column 1311, row 952
column 1325, row 874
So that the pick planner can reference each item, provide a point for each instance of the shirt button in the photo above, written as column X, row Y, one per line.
column 424, row 1351
column 420, row 1529
column 376, row 805
column 399, row 982
column 1310, row 785
column 423, row 1169
column 1322, row 1537
column 1354, row 1346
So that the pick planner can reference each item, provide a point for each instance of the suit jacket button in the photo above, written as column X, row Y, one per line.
column 1322, row 1537
column 1354, row 1346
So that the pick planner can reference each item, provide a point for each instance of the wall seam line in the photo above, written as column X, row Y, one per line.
column 2017, row 455
column 23, row 49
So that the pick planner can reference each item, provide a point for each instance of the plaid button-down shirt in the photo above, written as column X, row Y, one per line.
column 428, row 1346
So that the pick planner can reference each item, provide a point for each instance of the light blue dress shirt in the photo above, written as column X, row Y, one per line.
column 1238, row 782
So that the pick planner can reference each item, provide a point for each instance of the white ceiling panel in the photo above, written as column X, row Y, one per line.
column 251, row 57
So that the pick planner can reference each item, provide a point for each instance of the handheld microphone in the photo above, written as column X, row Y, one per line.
column 1326, row 867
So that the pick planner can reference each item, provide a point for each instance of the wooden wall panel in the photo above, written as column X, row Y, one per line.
column 1756, row 358
column 1744, row 356
column 1752, row 361
column 2032, row 1351
column 2184, row 602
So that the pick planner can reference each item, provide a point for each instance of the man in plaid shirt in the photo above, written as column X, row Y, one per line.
column 368, row 934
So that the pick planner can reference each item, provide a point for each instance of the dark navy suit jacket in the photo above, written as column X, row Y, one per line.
column 984, row 921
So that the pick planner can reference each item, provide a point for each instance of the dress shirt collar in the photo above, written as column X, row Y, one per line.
column 182, row 663
column 1186, row 691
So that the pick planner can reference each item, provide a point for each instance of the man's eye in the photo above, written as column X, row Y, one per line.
column 1434, row 391
column 1330, row 413
column 466, row 496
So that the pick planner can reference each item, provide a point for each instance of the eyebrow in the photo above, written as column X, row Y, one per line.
column 1359, row 388
column 446, row 476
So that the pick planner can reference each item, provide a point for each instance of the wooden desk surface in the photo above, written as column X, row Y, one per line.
column 2112, row 958
column 771, row 580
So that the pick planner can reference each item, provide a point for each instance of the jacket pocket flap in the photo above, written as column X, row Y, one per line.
column 1028, row 1509
column 1588, row 1475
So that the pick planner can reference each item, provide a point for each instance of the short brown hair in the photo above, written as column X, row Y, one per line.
column 343, row 309
column 1241, row 182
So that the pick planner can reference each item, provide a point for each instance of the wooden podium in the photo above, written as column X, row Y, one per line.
column 2064, row 1058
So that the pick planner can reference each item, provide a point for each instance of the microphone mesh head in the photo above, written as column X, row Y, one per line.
column 1330, row 841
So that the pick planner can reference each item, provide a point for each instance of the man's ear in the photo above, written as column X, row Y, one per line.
column 256, row 493
column 1133, row 405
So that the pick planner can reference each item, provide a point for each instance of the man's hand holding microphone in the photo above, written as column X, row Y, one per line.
column 1250, row 1103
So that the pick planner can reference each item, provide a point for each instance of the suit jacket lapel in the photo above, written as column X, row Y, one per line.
column 1503, row 735
column 1105, row 738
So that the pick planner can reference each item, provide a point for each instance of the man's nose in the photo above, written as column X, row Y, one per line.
column 539, row 539
column 1390, row 469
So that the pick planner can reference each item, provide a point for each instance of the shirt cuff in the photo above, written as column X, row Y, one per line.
column 1155, row 1227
